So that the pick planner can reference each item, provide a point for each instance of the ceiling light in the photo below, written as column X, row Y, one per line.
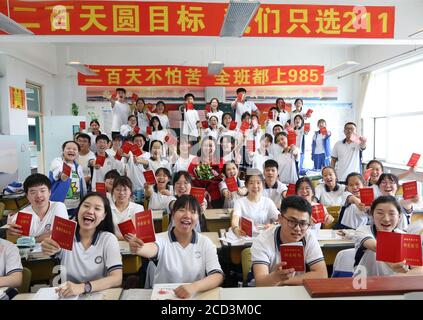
column 215, row 67
column 341, row 67
column 12, row 27
column 238, row 17
column 82, row 68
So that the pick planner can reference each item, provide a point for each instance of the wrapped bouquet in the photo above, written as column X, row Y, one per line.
column 205, row 172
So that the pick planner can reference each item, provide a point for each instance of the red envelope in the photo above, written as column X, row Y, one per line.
column 413, row 160
column 367, row 196
column 232, row 125
column 244, row 126
column 208, row 108
column 127, row 227
column 205, row 124
column 171, row 140
column 100, row 160
column 118, row 155
column 136, row 151
column 318, row 213
column 291, row 190
column 292, row 138
column 308, row 113
column 126, row 147
column 251, row 145
column 63, row 232
column 137, row 130
column 82, row 125
column 239, row 96
column 396, row 247
column 189, row 106
column 323, row 131
column 247, row 226
column 232, row 184
column 144, row 226
column 409, row 190
column 293, row 255
column 367, row 174
column 66, row 169
column 100, row 187
column 306, row 127
column 24, row 220
column 198, row 193
column 149, row 176
column 149, row 130
column 134, row 97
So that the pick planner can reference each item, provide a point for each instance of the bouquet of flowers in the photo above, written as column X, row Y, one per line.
column 205, row 172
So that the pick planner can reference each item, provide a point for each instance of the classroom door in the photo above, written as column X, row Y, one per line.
column 33, row 98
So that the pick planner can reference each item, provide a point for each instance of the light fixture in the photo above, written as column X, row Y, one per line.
column 238, row 17
column 12, row 27
column 215, row 67
column 82, row 68
column 341, row 67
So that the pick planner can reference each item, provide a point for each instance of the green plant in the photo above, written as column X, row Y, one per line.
column 75, row 109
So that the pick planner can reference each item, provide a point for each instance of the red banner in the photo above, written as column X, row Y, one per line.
column 197, row 76
column 199, row 19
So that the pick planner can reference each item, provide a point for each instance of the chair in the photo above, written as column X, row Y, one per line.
column 26, row 280
column 165, row 222
column 2, row 207
column 334, row 212
column 246, row 263
column 343, row 267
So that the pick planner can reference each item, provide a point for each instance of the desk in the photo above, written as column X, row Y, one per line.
column 417, row 216
column 145, row 294
column 214, row 237
column 108, row 294
column 14, row 202
column 217, row 219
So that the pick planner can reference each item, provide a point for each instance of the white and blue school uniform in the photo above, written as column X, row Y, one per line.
column 143, row 122
column 182, row 164
column 330, row 198
column 160, row 201
column 217, row 114
column 120, row 114
column 164, row 120
column 320, row 150
column 189, row 123
column 351, row 217
column 295, row 113
column 348, row 158
column 229, row 203
column 10, row 259
column 109, row 164
column 135, row 171
column 154, row 164
column 127, row 214
column 287, row 167
column 300, row 145
column 275, row 192
column 241, row 108
column 258, row 160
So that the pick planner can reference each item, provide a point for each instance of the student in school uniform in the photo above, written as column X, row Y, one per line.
column 182, row 184
column 122, row 207
column 68, row 189
column 243, row 105
column 120, row 111
column 212, row 130
column 159, row 113
column 228, row 149
column 299, row 131
column 117, row 147
column 273, row 188
column 160, row 195
column 330, row 192
column 230, row 169
column 156, row 160
column 141, row 113
column 276, row 149
column 109, row 179
column 128, row 130
column 158, row 132
column 320, row 146
column 137, row 165
column 94, row 132
column 283, row 116
column 182, row 160
column 294, row 223
column 95, row 262
column 184, row 255
column 346, row 154
column 298, row 103
column 37, row 189
column 261, row 155
column 85, row 155
column 10, row 265
column 226, row 121
column 190, row 118
column 260, row 210
column 214, row 111
column 386, row 212
column 286, row 160
column 270, row 123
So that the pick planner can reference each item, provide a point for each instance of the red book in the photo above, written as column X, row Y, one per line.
column 292, row 138
column 134, row 97
column 189, row 106
column 144, row 226
column 208, row 108
column 63, row 232
column 355, row 138
column 367, row 196
column 239, row 96
column 291, row 190
column 100, row 187
column 323, row 131
column 136, row 151
column 289, row 128
column 247, row 226
column 149, row 130
column 251, row 145
column 100, row 160
column 149, row 176
column 232, row 125
column 318, row 213
column 127, row 227
column 409, row 190
column 244, row 126
column 306, row 127
column 308, row 113
column 118, row 155
column 114, row 96
column 293, row 255
column 136, row 129
column 270, row 115
column 204, row 124
column 413, row 160
column 66, row 169
column 367, row 174
column 126, row 147
column 24, row 220
column 198, row 193
column 170, row 139
column 232, row 184
column 82, row 125
column 396, row 247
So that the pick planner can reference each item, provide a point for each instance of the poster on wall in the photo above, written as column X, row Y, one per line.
column 17, row 98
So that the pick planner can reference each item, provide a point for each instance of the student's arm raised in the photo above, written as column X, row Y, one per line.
column 139, row 248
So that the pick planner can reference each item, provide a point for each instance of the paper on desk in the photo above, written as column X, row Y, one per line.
column 232, row 238
column 165, row 291
column 136, row 294
column 327, row 234
column 50, row 294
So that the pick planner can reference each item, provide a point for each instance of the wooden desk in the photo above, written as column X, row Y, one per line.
column 108, row 294
column 145, row 294
column 14, row 202
column 214, row 237
column 217, row 219
column 417, row 216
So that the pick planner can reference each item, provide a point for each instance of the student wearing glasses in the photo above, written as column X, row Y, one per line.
column 294, row 226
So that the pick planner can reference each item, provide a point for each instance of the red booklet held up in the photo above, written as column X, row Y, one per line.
column 413, row 160
column 66, row 169
column 204, row 124
column 171, row 140
column 63, row 232
column 292, row 138
column 367, row 196
column 308, row 113
column 198, row 193
column 208, row 108
column 136, row 151
column 137, row 129
column 144, row 226
column 100, row 160
column 291, row 190
column 307, row 127
column 134, row 97
column 232, row 125
column 149, row 130
column 126, row 147
column 100, row 187
column 367, row 174
column 323, row 131
column 149, row 176
column 251, row 145
column 409, row 190
column 82, row 125
column 289, row 128
column 247, row 226
column 239, row 96
column 271, row 115
column 396, row 247
column 232, row 184
column 24, row 220
column 318, row 213
column 293, row 255
column 118, row 155
column 189, row 106
column 127, row 227
column 244, row 126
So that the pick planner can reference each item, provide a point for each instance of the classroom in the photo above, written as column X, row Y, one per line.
column 211, row 150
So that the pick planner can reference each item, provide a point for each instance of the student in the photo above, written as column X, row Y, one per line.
column 286, row 160
column 117, row 147
column 294, row 222
column 377, row 170
column 304, row 188
column 185, row 157
column 156, row 160
column 214, row 111
column 230, row 169
column 320, row 147
column 298, row 103
column 141, row 113
column 271, row 123
column 330, row 192
column 109, row 179
column 122, row 207
column 159, row 113
column 95, row 263
column 128, row 130
column 346, row 154
column 160, row 195
column 242, row 105
column 10, row 265
column 273, row 188
column 261, row 210
column 120, row 111
column 85, row 155
column 386, row 212
column 37, row 189
column 94, row 132
column 68, row 189
column 184, row 255
column 228, row 150
column 212, row 130
column 275, row 149
column 137, row 165
column 226, row 121
column 261, row 155
column 158, row 132
column 299, row 131
column 190, row 118
column 283, row 116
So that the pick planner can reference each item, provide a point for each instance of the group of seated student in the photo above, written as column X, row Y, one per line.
column 262, row 176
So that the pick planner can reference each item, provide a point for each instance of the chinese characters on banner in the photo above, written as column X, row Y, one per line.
column 17, row 98
column 199, row 19
column 197, row 76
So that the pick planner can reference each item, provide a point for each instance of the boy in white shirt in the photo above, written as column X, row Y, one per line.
column 10, row 265
column 241, row 105
column 120, row 111
column 190, row 117
column 85, row 155
column 273, row 188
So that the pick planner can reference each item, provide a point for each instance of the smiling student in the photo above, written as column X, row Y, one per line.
column 95, row 263
column 294, row 221
column 184, row 255
column 161, row 194
column 273, row 188
column 329, row 193
column 10, row 265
